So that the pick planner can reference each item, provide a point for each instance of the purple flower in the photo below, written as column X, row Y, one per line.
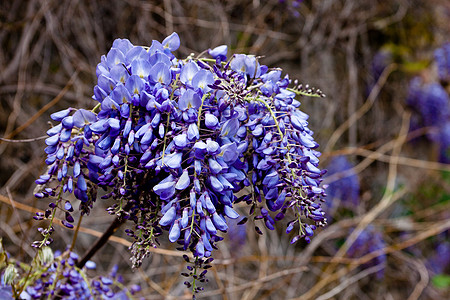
column 188, row 72
column 444, row 143
column 160, row 73
column 431, row 105
column 83, row 117
column 174, row 233
column 431, row 102
column 220, row 52
column 245, row 64
column 59, row 276
column 219, row 222
column 344, row 187
column 168, row 217
column 184, row 181
column 189, row 99
column 230, row 212
column 173, row 160
column 380, row 61
column 211, row 121
column 230, row 128
column 440, row 259
column 238, row 236
column 165, row 190
column 134, row 85
column 434, row 106
column 60, row 115
column 141, row 68
column 201, row 80
column 172, row 42
column 173, row 143
column 368, row 241
column 442, row 59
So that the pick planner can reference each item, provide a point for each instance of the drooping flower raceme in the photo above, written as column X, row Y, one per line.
column 173, row 141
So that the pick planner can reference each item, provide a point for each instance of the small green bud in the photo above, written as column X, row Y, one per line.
column 10, row 274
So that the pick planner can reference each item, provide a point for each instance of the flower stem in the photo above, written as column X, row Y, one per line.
column 200, row 111
column 96, row 107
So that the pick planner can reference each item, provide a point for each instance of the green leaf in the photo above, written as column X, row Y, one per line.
column 441, row 281
column 414, row 66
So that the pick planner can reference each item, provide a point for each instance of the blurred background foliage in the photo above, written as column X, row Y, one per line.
column 389, row 178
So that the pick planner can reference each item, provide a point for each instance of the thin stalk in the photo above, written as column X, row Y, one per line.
column 200, row 111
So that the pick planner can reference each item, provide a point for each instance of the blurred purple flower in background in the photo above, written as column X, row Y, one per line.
column 440, row 260
column 442, row 59
column 380, row 61
column 344, row 186
column 431, row 106
column 238, row 236
column 292, row 6
column 369, row 241
column 5, row 289
column 444, row 143
column 430, row 103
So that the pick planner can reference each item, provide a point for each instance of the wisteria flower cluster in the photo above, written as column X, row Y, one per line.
column 178, row 143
